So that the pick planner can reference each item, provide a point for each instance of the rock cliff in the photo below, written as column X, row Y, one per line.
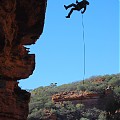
column 72, row 96
column 21, row 23
column 107, row 100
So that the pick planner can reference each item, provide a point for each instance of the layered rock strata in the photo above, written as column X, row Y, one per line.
column 21, row 23
column 71, row 96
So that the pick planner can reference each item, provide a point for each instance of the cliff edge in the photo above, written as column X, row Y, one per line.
column 21, row 23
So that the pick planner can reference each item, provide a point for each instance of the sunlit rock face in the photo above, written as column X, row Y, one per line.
column 21, row 23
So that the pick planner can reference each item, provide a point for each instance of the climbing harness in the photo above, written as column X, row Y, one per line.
column 84, row 51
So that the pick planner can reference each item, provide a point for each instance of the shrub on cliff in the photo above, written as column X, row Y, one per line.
column 41, row 100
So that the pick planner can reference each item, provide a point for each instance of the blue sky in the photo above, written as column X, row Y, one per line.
column 59, row 50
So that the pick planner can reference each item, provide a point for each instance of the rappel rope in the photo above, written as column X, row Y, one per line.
column 84, row 65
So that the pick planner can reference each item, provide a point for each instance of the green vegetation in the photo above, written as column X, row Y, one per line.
column 41, row 100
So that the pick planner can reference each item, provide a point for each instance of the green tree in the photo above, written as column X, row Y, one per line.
column 102, row 116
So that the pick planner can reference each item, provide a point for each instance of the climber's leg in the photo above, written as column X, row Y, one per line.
column 71, row 5
column 69, row 14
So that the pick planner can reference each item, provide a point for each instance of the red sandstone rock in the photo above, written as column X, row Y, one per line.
column 21, row 23
column 74, row 96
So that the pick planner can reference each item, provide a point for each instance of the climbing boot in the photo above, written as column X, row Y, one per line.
column 65, row 7
column 68, row 16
